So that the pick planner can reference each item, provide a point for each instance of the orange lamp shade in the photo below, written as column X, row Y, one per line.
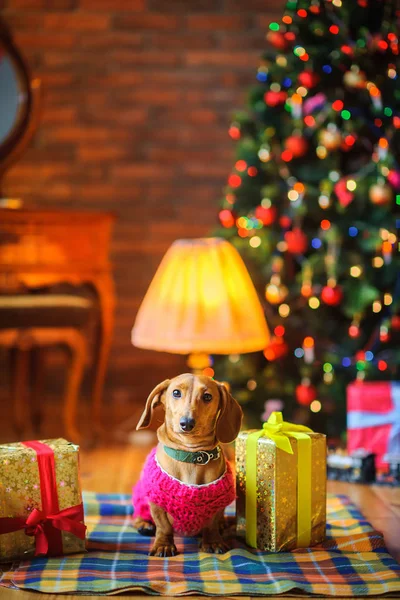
column 201, row 300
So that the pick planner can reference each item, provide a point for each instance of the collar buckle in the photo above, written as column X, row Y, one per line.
column 204, row 457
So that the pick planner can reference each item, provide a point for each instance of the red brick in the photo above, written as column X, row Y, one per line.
column 29, row 4
column 114, row 5
column 182, row 41
column 57, row 80
column 97, row 153
column 48, row 41
column 222, row 22
column 21, row 21
column 61, row 114
column 149, row 96
column 253, row 40
column 145, row 57
column 148, row 21
column 76, row 21
column 183, row 6
column 135, row 171
column 81, row 133
column 109, row 40
column 216, row 58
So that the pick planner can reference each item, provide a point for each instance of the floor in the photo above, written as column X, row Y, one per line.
column 115, row 468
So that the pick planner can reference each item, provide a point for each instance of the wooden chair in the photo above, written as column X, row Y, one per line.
column 29, row 324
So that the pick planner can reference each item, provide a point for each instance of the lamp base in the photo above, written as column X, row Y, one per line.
column 198, row 361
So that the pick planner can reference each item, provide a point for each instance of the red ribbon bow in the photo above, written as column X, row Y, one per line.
column 38, row 525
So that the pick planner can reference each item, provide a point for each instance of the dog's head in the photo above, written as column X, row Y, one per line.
column 196, row 408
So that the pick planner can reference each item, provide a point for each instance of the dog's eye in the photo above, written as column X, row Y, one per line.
column 207, row 397
column 177, row 393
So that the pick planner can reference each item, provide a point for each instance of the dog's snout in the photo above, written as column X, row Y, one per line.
column 187, row 423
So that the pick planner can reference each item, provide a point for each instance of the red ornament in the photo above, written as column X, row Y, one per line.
column 297, row 145
column 266, row 215
column 305, row 394
column 395, row 322
column 296, row 241
column 277, row 348
column 285, row 222
column 344, row 195
column 308, row 78
column 227, row 218
column 332, row 296
column 275, row 98
column 277, row 40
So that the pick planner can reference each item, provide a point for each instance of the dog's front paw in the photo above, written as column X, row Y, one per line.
column 144, row 527
column 214, row 547
column 162, row 548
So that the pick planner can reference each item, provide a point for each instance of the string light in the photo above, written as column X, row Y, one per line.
column 382, row 365
column 355, row 271
column 376, row 306
column 378, row 262
column 299, row 353
column 313, row 302
column 353, row 231
column 251, row 385
column 279, row 331
column 315, row 406
column 255, row 241
column 387, row 299
column 284, row 310
column 351, row 185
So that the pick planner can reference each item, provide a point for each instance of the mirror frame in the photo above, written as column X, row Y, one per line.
column 28, row 114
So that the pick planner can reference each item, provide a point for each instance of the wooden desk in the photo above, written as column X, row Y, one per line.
column 41, row 248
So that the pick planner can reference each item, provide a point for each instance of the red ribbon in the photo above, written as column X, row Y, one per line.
column 46, row 524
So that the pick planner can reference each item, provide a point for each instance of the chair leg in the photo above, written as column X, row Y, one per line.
column 37, row 378
column 19, row 388
column 77, row 346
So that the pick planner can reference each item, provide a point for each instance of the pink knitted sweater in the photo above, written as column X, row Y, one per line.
column 191, row 506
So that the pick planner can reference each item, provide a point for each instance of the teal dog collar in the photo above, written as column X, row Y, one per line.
column 201, row 457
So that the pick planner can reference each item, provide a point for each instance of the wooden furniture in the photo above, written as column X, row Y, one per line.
column 41, row 248
column 27, row 341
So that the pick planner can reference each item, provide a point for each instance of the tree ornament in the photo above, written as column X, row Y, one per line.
column 354, row 79
column 395, row 323
column 296, row 241
column 275, row 98
column 308, row 78
column 227, row 217
column 275, row 292
column 330, row 137
column 305, row 392
column 277, row 40
column 277, row 348
column 394, row 179
column 380, row 194
column 332, row 295
column 267, row 216
column 297, row 145
column 344, row 195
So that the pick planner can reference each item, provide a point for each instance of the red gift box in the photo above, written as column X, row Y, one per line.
column 373, row 418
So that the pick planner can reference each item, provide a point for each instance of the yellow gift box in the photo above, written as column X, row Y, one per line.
column 41, row 510
column 281, row 486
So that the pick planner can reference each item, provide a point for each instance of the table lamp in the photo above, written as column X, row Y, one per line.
column 201, row 301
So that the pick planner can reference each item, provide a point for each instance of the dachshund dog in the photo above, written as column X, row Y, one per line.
column 186, row 482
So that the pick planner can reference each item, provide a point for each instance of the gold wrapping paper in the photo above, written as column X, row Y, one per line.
column 277, row 481
column 20, row 493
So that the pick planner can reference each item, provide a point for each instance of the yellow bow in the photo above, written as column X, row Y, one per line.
column 279, row 431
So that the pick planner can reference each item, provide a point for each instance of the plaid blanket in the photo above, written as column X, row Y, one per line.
column 352, row 562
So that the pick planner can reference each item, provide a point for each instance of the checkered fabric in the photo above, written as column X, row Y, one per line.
column 352, row 562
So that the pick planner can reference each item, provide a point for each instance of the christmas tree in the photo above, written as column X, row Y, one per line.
column 312, row 204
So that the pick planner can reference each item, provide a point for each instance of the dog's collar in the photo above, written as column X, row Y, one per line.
column 201, row 457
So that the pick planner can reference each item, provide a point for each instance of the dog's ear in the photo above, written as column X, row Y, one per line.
column 230, row 416
column 152, row 401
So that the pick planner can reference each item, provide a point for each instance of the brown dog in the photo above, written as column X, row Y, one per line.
column 200, row 413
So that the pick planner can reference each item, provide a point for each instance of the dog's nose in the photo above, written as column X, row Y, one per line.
column 187, row 423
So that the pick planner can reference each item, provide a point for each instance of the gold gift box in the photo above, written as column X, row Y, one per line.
column 277, row 489
column 20, row 493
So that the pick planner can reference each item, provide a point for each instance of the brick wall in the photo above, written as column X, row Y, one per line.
column 137, row 100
